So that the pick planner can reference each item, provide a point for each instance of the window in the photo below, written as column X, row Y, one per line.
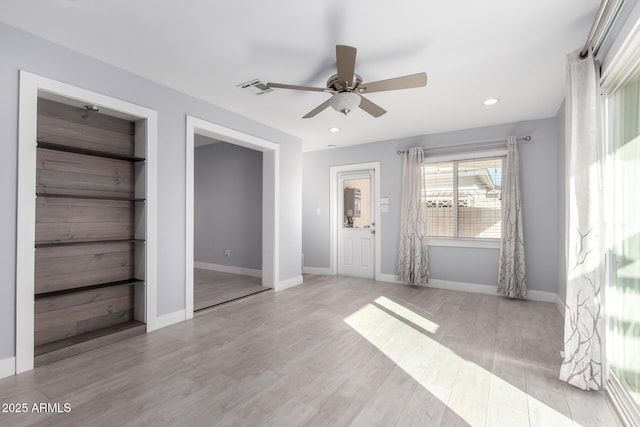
column 623, row 290
column 464, row 198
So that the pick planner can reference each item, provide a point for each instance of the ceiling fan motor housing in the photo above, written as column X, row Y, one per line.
column 334, row 84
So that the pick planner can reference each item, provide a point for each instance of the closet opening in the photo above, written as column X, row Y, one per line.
column 86, row 240
column 232, row 209
column 227, row 222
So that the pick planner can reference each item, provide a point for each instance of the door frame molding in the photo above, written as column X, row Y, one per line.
column 31, row 85
column 334, row 171
column 270, row 199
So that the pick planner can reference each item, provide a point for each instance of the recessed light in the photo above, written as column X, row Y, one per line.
column 331, row 145
column 491, row 101
column 334, row 130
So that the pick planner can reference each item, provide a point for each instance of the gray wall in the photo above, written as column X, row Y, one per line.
column 228, row 204
column 539, row 198
column 20, row 50
column 562, row 202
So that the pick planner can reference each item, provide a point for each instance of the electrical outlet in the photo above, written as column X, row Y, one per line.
column 227, row 252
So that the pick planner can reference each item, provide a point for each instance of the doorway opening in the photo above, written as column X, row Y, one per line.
column 355, row 220
column 227, row 222
column 268, row 274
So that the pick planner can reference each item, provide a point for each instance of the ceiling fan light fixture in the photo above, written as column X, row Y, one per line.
column 345, row 102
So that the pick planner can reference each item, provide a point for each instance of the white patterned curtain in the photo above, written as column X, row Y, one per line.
column 511, row 271
column 412, row 257
column 583, row 325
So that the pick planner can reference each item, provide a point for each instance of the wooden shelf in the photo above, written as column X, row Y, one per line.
column 76, row 150
column 61, row 349
column 73, row 196
column 90, row 242
column 89, row 232
column 130, row 282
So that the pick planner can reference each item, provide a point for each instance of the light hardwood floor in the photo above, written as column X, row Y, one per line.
column 333, row 351
column 215, row 287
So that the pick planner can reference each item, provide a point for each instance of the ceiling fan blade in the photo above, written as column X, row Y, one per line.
column 346, row 63
column 374, row 109
column 296, row 87
column 404, row 82
column 316, row 110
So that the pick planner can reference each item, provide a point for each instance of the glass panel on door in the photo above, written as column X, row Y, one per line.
column 357, row 203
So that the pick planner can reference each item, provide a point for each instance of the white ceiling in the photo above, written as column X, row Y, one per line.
column 471, row 50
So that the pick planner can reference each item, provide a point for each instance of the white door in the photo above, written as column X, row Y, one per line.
column 356, row 226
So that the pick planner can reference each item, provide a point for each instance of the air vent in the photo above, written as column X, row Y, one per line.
column 255, row 86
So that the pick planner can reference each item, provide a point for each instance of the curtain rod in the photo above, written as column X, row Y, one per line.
column 469, row 144
column 598, row 24
column 594, row 29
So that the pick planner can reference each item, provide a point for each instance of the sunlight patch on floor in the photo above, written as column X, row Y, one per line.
column 407, row 314
column 473, row 393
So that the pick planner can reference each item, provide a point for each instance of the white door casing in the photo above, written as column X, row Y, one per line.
column 270, row 199
column 31, row 87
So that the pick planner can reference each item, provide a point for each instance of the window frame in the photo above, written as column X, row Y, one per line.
column 468, row 242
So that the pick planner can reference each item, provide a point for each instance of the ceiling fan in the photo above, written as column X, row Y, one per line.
column 347, row 86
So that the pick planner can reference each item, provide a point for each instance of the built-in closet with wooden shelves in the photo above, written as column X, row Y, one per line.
column 90, row 231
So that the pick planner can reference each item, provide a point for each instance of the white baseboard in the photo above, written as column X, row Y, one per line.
column 289, row 283
column 560, row 305
column 532, row 295
column 316, row 270
column 542, row 296
column 228, row 269
column 170, row 319
column 391, row 278
column 7, row 367
column 462, row 286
